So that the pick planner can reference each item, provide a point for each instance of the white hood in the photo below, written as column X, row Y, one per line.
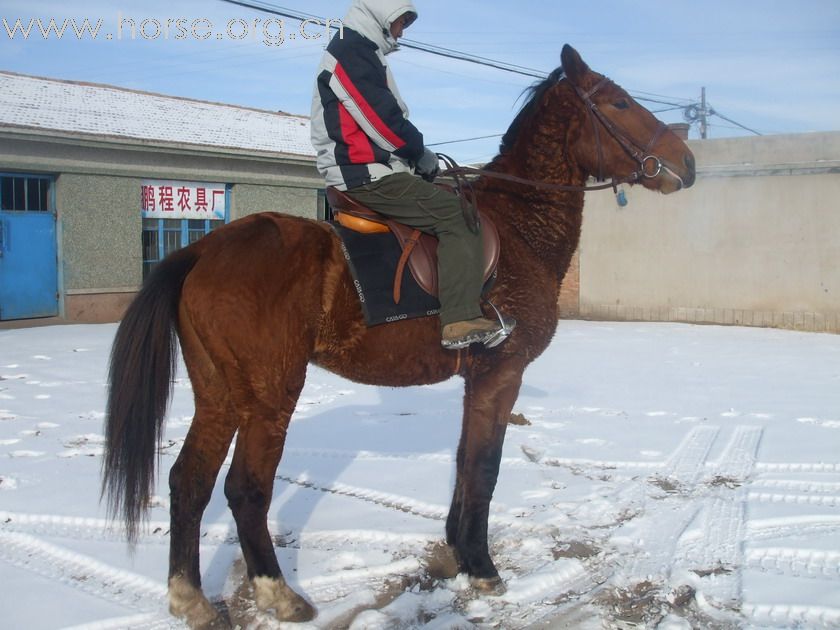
column 373, row 18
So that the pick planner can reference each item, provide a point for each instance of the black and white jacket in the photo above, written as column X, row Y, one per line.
column 360, row 127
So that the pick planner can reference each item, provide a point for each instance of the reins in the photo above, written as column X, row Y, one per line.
column 469, row 203
column 459, row 173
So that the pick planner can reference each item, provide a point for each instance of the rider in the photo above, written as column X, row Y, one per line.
column 367, row 147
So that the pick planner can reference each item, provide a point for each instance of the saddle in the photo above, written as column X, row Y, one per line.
column 419, row 250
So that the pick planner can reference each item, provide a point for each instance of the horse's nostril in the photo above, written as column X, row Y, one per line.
column 689, row 161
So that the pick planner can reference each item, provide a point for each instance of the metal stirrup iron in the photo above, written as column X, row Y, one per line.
column 506, row 327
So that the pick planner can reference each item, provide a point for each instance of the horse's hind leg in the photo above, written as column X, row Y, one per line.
column 193, row 476
column 191, row 483
column 249, row 486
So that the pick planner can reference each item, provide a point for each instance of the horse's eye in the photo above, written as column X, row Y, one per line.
column 622, row 104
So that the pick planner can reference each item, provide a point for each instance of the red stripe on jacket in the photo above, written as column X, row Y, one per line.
column 366, row 108
column 358, row 144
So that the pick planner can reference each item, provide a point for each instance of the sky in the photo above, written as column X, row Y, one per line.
column 769, row 65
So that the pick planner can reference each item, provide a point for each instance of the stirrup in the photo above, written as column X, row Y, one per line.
column 463, row 342
column 506, row 326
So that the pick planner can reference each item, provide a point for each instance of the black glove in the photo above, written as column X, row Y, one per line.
column 427, row 166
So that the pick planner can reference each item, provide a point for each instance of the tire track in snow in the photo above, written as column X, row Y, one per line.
column 725, row 521
column 443, row 458
column 791, row 561
column 686, row 464
column 81, row 572
column 142, row 621
column 795, row 499
column 794, row 485
column 818, row 467
column 668, row 518
column 432, row 511
column 791, row 616
column 792, row 526
column 804, row 527
column 326, row 588
column 446, row 458
column 568, row 462
column 157, row 532
column 383, row 499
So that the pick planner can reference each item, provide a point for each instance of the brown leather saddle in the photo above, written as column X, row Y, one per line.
column 419, row 250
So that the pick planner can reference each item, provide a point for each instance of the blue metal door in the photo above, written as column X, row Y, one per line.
column 28, row 265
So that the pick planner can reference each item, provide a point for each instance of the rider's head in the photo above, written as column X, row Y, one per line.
column 381, row 21
column 402, row 23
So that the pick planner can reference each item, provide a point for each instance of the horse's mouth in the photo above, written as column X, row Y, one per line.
column 672, row 179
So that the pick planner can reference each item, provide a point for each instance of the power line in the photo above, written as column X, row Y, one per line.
column 737, row 124
column 429, row 48
column 685, row 101
column 693, row 112
column 438, row 144
column 406, row 43
column 666, row 109
column 657, row 101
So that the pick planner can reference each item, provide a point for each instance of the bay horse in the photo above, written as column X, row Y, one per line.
column 254, row 302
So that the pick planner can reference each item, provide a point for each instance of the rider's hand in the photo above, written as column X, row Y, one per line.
column 427, row 166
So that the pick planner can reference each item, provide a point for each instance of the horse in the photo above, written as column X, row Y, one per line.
column 257, row 300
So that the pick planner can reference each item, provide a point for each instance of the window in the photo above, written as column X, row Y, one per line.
column 161, row 237
column 26, row 193
column 178, row 213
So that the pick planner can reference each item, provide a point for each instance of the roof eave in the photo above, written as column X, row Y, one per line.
column 129, row 143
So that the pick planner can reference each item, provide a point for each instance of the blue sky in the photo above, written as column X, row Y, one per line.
column 773, row 66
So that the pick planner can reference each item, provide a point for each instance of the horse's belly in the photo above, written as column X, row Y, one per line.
column 395, row 355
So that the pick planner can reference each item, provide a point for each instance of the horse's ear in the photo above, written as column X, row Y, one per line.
column 574, row 67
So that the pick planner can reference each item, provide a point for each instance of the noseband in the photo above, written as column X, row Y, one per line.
column 642, row 154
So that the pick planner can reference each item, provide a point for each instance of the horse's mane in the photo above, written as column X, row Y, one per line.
column 535, row 94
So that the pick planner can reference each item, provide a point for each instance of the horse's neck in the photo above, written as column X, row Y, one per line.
column 549, row 222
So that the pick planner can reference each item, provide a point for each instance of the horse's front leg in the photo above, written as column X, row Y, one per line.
column 490, row 394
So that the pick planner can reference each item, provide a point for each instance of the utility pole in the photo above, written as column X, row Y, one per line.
column 699, row 113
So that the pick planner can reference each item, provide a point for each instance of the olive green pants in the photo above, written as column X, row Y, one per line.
column 417, row 203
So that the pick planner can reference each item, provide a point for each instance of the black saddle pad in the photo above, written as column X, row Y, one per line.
column 373, row 260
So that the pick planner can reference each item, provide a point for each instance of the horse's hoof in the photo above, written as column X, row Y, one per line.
column 441, row 563
column 301, row 611
column 190, row 604
column 274, row 593
column 489, row 586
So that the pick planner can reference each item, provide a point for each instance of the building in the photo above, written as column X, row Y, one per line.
column 97, row 183
column 753, row 243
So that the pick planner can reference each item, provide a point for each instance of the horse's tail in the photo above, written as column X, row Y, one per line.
column 143, row 362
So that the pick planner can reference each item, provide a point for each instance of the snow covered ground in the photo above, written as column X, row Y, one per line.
column 671, row 475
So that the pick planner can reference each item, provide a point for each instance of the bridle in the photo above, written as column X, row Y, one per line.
column 641, row 154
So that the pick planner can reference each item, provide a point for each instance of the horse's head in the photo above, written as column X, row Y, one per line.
column 619, row 138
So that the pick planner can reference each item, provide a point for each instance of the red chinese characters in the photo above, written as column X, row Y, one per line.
column 147, row 201
column 165, row 199
column 184, row 198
